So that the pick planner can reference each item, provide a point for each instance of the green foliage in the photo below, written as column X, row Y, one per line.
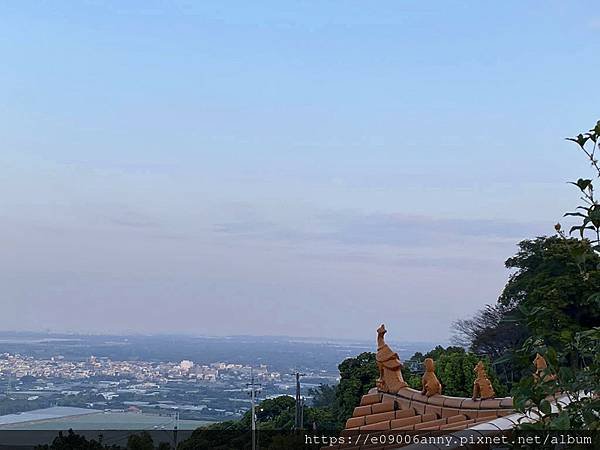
column 333, row 405
column 455, row 372
column 454, row 368
column 274, row 414
column 357, row 376
column 440, row 351
column 554, row 279
column 580, row 383
column 565, row 319
column 493, row 331
column 142, row 441
column 71, row 441
column 323, row 396
column 321, row 418
column 74, row 441
column 551, row 272
column 413, row 380
column 227, row 437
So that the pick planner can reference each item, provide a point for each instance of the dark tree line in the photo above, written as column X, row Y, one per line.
column 546, row 271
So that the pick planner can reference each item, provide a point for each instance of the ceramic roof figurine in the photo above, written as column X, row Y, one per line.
column 482, row 386
column 541, row 366
column 431, row 384
column 389, row 365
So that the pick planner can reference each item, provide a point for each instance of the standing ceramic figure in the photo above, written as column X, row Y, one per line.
column 389, row 365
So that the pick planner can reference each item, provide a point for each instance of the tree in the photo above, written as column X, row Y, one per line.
column 275, row 413
column 357, row 376
column 490, row 331
column 455, row 372
column 333, row 405
column 547, row 281
column 324, row 395
column 321, row 419
column 74, row 441
column 564, row 322
column 559, row 273
column 142, row 441
column 493, row 332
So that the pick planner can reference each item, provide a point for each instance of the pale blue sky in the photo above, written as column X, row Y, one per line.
column 301, row 168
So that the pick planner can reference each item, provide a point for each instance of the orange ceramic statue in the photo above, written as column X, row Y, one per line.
column 389, row 365
column 431, row 384
column 540, row 367
column 482, row 386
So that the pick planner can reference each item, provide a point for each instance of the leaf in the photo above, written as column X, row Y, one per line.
column 580, row 140
column 552, row 357
column 566, row 335
column 562, row 421
column 503, row 359
column 545, row 407
column 594, row 215
column 581, row 229
column 594, row 298
column 582, row 184
column 565, row 373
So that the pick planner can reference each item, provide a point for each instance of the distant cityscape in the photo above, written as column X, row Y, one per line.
column 198, row 391
column 40, row 372
column 163, row 372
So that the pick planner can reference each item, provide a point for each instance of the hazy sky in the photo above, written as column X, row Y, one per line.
column 300, row 168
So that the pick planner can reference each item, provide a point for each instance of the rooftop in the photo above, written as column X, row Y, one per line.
column 56, row 412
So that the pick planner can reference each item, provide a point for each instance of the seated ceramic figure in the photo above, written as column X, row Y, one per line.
column 389, row 365
column 431, row 384
column 482, row 386
column 540, row 367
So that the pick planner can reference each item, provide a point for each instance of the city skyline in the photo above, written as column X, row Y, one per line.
column 267, row 169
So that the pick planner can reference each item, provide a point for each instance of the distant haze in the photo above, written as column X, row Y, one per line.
column 279, row 352
column 281, row 168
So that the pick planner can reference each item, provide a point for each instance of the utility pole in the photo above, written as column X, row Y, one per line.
column 175, row 427
column 254, row 389
column 299, row 416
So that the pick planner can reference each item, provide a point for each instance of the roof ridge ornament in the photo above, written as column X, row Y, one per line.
column 482, row 386
column 390, row 368
column 431, row 384
column 541, row 370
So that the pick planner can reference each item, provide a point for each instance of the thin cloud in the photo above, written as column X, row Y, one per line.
column 381, row 229
column 133, row 220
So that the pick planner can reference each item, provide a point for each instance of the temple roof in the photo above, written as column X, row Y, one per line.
column 392, row 408
column 384, row 414
column 409, row 410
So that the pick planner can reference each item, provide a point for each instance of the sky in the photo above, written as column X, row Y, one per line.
column 282, row 168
